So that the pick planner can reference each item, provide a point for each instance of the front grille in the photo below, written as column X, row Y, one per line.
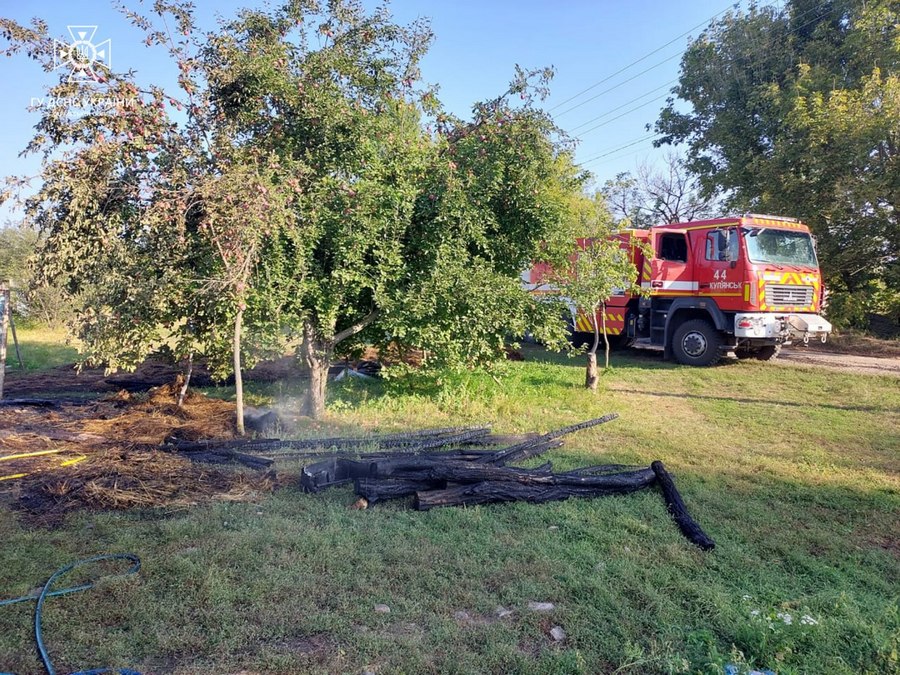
column 778, row 295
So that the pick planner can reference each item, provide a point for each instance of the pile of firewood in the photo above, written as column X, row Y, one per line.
column 450, row 467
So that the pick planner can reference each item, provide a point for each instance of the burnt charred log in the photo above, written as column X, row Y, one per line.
column 379, row 490
column 520, row 451
column 675, row 505
column 536, row 493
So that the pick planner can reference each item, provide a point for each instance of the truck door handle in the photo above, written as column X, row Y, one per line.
column 656, row 284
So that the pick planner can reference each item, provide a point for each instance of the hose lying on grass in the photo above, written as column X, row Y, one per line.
column 45, row 593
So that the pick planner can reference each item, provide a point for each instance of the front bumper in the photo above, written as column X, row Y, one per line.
column 780, row 327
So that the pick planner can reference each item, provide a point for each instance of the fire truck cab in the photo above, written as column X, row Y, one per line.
column 746, row 284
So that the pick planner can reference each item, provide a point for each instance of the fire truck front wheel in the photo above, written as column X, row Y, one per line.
column 696, row 343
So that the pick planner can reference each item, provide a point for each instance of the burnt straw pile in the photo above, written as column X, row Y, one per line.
column 449, row 467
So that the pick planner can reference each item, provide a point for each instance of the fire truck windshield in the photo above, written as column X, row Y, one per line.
column 780, row 247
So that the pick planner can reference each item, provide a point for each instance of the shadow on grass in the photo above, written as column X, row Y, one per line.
column 737, row 399
column 643, row 359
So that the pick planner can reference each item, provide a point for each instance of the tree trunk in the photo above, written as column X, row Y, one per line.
column 238, row 379
column 317, row 355
column 187, row 380
column 605, row 336
column 591, row 377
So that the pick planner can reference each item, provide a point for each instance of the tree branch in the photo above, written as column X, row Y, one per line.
column 354, row 329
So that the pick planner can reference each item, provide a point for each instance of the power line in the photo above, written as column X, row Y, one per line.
column 643, row 58
column 637, row 98
column 635, row 142
column 616, row 86
column 627, row 103
column 612, row 151
column 617, row 158
column 627, row 112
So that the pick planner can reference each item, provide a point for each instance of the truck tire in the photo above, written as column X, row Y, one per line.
column 696, row 343
column 766, row 353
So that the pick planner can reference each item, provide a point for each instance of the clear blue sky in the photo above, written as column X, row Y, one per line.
column 477, row 43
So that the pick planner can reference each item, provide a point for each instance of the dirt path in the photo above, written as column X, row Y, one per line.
column 848, row 363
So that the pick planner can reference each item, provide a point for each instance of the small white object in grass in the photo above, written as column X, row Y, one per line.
column 754, row 612
column 541, row 606
column 784, row 616
column 461, row 616
column 745, row 598
column 382, row 609
column 807, row 620
column 557, row 633
column 502, row 612
column 553, row 527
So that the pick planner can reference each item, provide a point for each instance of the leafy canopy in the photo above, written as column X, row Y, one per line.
column 302, row 175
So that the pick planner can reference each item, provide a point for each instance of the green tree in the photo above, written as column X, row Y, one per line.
column 599, row 267
column 794, row 111
column 412, row 226
column 34, row 301
column 311, row 187
column 16, row 247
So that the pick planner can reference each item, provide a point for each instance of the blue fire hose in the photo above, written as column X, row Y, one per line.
column 45, row 593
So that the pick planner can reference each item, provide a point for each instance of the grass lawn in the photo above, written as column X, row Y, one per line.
column 40, row 347
column 793, row 471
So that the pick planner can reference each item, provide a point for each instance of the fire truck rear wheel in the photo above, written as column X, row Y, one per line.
column 696, row 343
column 767, row 353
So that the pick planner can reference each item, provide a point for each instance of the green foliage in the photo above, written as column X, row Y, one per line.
column 849, row 309
column 794, row 111
column 31, row 300
column 312, row 182
column 16, row 246
column 598, row 266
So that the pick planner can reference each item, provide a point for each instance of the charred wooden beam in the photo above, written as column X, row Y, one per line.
column 513, row 452
column 30, row 403
column 224, row 456
column 378, row 490
column 474, row 472
column 602, row 468
column 527, row 452
column 506, row 491
column 420, row 441
column 675, row 505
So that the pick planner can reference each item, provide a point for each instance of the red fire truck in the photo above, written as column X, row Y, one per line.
column 746, row 284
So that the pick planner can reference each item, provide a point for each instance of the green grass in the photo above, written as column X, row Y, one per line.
column 793, row 471
column 40, row 347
